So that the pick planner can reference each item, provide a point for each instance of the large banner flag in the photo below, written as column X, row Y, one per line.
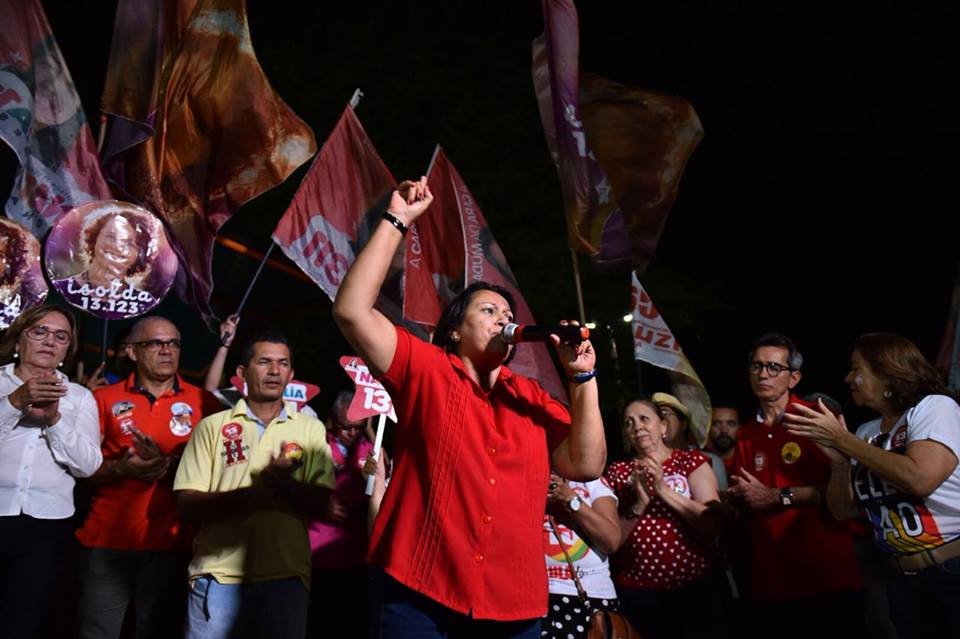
column 948, row 360
column 620, row 151
column 449, row 247
column 334, row 211
column 654, row 343
column 42, row 120
column 193, row 127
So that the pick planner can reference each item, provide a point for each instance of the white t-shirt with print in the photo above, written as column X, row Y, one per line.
column 593, row 567
column 904, row 524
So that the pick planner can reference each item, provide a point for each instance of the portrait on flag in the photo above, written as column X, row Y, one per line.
column 42, row 121
column 111, row 259
column 21, row 278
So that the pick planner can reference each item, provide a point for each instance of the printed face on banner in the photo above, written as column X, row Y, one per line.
column 110, row 259
column 370, row 398
column 21, row 280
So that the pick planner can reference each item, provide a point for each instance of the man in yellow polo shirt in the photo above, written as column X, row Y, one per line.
column 252, row 476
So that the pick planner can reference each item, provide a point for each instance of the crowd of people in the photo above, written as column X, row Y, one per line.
column 498, row 513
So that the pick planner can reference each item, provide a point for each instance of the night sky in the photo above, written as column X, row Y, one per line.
column 819, row 202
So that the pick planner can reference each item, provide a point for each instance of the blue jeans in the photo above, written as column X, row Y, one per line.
column 404, row 613
column 275, row 609
column 926, row 604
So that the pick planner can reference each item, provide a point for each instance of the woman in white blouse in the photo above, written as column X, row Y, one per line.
column 49, row 434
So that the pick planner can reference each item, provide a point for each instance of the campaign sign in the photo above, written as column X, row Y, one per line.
column 21, row 279
column 296, row 391
column 370, row 398
column 111, row 259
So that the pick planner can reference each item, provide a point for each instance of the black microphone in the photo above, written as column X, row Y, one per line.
column 568, row 334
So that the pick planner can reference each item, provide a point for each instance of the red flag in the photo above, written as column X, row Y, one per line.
column 620, row 151
column 332, row 215
column 42, row 120
column 194, row 129
column 449, row 247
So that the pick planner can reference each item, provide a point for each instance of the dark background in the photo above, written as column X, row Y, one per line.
column 819, row 202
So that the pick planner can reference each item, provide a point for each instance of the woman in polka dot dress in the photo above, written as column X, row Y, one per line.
column 664, row 570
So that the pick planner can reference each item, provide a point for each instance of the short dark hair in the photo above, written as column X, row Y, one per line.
column 832, row 404
column 794, row 358
column 452, row 316
column 270, row 337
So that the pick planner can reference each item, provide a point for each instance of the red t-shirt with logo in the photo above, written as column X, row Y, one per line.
column 797, row 551
column 130, row 514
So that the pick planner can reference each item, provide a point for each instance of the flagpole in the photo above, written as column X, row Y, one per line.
column 576, row 281
column 103, row 342
column 256, row 275
column 355, row 98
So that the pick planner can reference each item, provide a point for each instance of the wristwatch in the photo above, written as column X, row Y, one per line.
column 786, row 497
column 574, row 504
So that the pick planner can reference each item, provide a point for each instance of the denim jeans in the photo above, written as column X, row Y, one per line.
column 274, row 609
column 404, row 613
column 926, row 604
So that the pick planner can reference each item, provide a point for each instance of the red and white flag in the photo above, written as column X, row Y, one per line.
column 451, row 246
column 655, row 343
column 334, row 211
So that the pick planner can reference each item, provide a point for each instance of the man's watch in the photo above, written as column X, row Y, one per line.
column 574, row 504
column 786, row 497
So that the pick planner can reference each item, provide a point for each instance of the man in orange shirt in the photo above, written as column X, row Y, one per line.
column 135, row 547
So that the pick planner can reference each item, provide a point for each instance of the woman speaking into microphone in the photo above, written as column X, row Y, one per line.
column 459, row 537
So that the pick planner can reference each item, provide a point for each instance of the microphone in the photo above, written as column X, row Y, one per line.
column 569, row 334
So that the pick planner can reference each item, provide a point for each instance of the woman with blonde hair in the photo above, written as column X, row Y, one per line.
column 666, row 560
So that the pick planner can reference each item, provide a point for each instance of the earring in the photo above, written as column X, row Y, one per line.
column 16, row 354
column 887, row 394
column 454, row 337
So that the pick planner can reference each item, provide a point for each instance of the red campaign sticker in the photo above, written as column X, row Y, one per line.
column 296, row 391
column 232, row 431
column 370, row 397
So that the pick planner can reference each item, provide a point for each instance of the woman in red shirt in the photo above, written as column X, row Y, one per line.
column 459, row 536
column 664, row 570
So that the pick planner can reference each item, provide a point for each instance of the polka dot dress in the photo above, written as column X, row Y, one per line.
column 568, row 618
column 661, row 552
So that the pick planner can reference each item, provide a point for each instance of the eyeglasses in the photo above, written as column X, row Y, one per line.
column 39, row 333
column 773, row 368
column 157, row 344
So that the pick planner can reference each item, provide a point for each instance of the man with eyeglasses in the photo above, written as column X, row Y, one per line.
column 339, row 594
column 135, row 546
column 803, row 567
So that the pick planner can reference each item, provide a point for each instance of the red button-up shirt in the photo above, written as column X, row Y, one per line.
column 461, row 521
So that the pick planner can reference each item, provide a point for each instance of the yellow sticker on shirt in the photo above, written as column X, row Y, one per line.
column 790, row 452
